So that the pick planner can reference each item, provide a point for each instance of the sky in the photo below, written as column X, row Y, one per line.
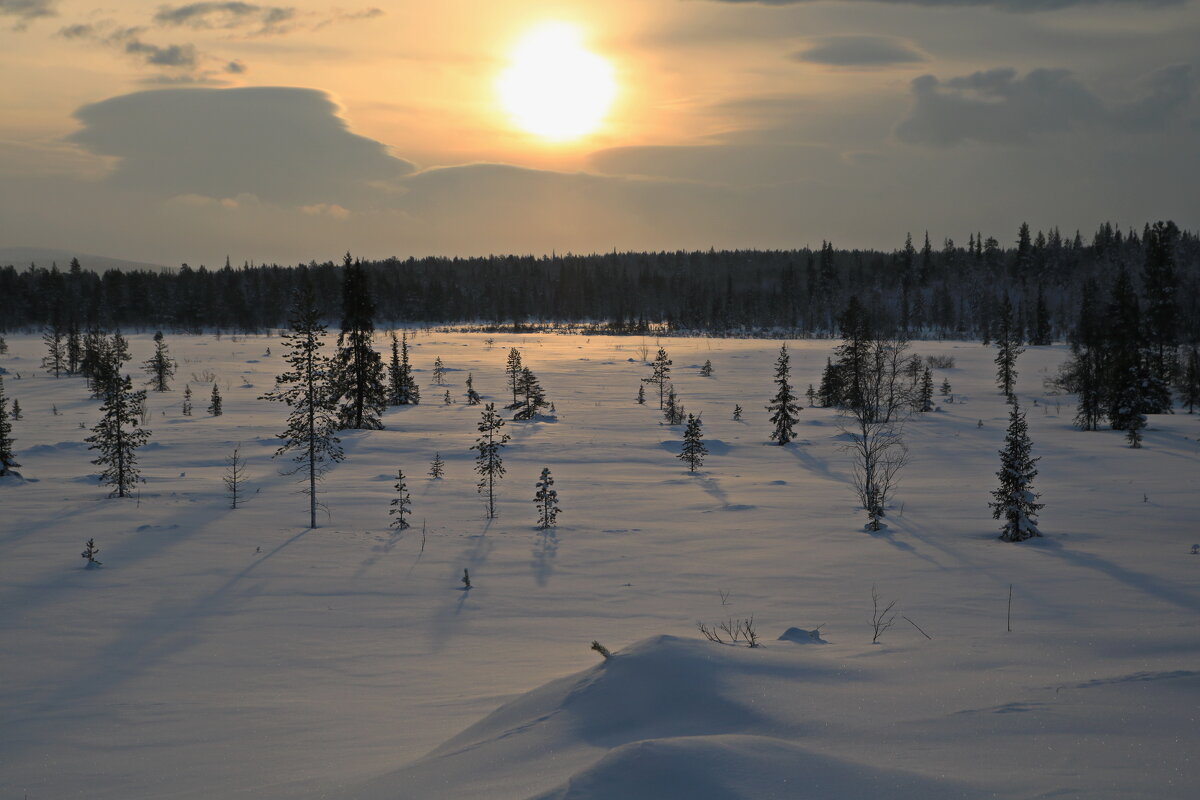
column 188, row 132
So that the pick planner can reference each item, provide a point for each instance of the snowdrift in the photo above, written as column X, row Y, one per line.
column 665, row 718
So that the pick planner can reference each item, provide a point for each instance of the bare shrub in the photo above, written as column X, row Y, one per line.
column 940, row 361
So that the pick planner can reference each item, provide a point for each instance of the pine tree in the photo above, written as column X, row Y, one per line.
column 437, row 467
column 359, row 369
column 926, row 392
column 533, row 397
column 439, row 371
column 1008, row 348
column 512, row 369
column 641, row 395
column 693, row 451
column 1014, row 500
column 783, row 405
column 55, row 361
column 160, row 366
column 117, row 436
column 946, row 388
column 214, row 405
column 660, row 371
column 8, row 462
column 306, row 389
column 546, row 499
column 186, row 406
column 707, row 370
column 489, row 463
column 234, row 477
column 90, row 551
column 473, row 398
column 401, row 504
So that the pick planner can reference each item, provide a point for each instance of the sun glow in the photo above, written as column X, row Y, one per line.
column 554, row 87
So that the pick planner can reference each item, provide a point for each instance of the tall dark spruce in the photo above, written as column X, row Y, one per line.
column 488, row 462
column 783, row 405
column 160, row 366
column 358, row 368
column 118, row 435
column 8, row 462
column 1014, row 500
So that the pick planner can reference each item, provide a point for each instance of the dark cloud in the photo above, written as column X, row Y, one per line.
column 78, row 31
column 858, row 51
column 25, row 11
column 1000, row 5
column 281, row 145
column 228, row 15
column 235, row 67
column 173, row 55
column 998, row 107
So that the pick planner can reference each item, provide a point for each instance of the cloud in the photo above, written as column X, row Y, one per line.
column 27, row 10
column 999, row 5
column 173, row 55
column 227, row 16
column 285, row 145
column 858, row 51
column 998, row 107
column 235, row 67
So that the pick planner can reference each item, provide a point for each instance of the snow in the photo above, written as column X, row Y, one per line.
column 345, row 661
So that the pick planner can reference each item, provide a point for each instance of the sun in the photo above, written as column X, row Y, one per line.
column 554, row 87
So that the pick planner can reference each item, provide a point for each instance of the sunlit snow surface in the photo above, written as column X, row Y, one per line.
column 342, row 662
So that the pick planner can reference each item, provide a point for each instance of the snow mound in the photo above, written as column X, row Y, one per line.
column 735, row 767
column 801, row 636
column 665, row 718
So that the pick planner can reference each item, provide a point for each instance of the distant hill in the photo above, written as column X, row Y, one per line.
column 22, row 257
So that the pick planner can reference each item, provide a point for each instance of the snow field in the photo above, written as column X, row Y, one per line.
column 333, row 661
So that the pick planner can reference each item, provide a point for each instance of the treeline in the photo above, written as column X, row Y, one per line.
column 919, row 290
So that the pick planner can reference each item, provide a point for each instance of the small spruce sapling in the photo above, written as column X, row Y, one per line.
column 447, row 400
column 946, row 390
column 401, row 504
column 234, row 477
column 641, row 395
column 488, row 463
column 16, row 411
column 737, row 412
column 437, row 467
column 89, row 552
column 439, row 371
column 214, row 404
column 707, row 370
column 546, row 499
column 783, row 405
column 466, row 579
column 1014, row 500
column 926, row 392
column 473, row 398
column 186, row 406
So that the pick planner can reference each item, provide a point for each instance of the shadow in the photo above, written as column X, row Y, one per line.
column 799, row 451
column 545, row 550
column 713, row 488
column 1151, row 585
column 444, row 622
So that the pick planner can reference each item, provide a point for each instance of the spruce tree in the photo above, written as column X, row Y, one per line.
column 1008, row 348
column 533, row 397
column 55, row 361
column 830, row 393
column 447, row 400
column 693, row 450
column 660, row 371
column 395, row 374
column 1190, row 384
column 1014, row 500
column 437, row 467
column 405, row 391
column 90, row 551
column 359, row 369
column 512, row 369
column 160, row 366
column 488, row 463
column 473, row 398
column 16, row 410
column 1130, row 389
column 186, row 406
column 737, row 412
column 673, row 411
column 641, row 395
column 1160, row 286
column 8, row 462
column 117, row 436
column 214, row 404
column 811, row 394
column 546, row 499
column 439, row 371
column 74, row 348
column 926, row 392
column 234, row 477
column 783, row 405
column 401, row 504
column 707, row 370
column 305, row 388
